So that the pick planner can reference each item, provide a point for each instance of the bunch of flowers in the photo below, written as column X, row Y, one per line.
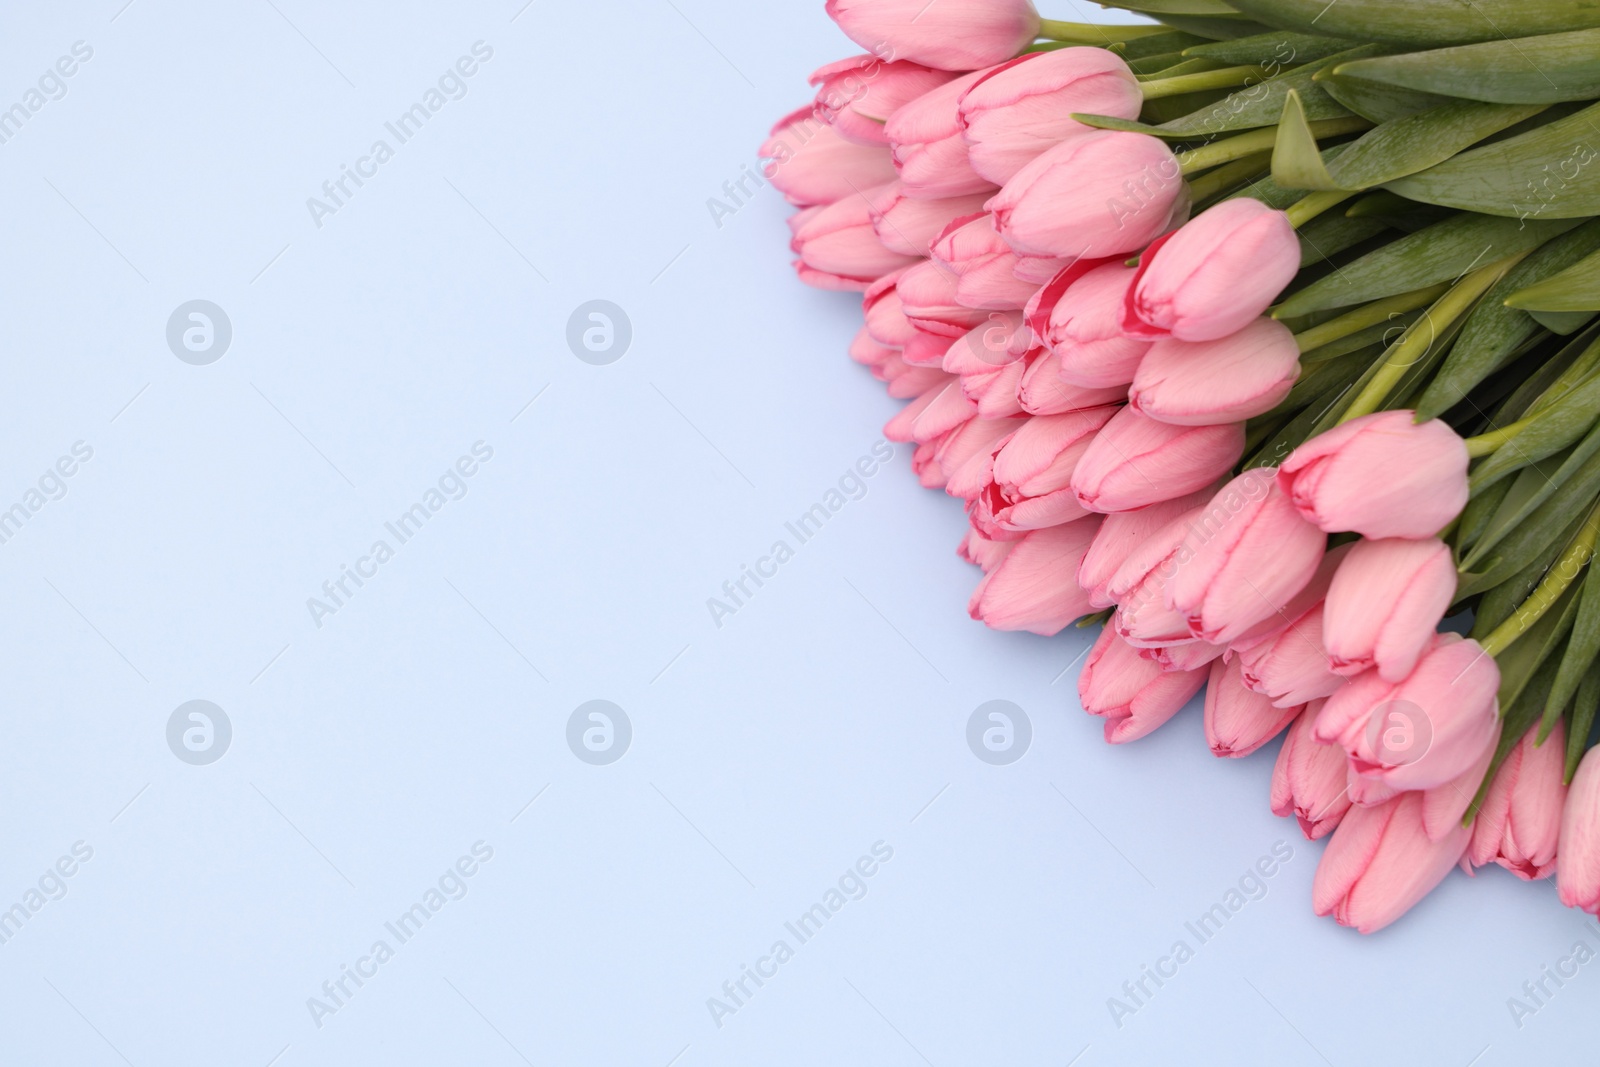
column 1260, row 334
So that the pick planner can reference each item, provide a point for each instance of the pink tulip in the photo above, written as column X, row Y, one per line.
column 962, row 453
column 1120, row 535
column 1291, row 666
column 1030, row 476
column 1385, row 604
column 811, row 164
column 1308, row 781
column 1033, row 588
column 1519, row 825
column 1133, row 694
column 1189, row 656
column 1238, row 721
column 857, row 95
column 1203, row 383
column 908, row 226
column 1044, row 393
column 1578, row 872
column 1424, row 730
column 986, row 349
column 838, row 249
column 1444, row 807
column 979, row 550
column 1136, row 461
column 1380, row 862
column 1141, row 587
column 899, row 427
column 949, row 410
column 928, row 297
column 1213, row 276
column 885, row 314
column 928, row 149
column 925, row 349
column 1100, row 193
column 995, row 391
column 1024, row 107
column 866, row 350
column 1084, row 328
column 1380, row 475
column 906, row 381
column 1249, row 555
column 982, row 263
column 949, row 34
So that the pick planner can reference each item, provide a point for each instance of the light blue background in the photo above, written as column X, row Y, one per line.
column 369, row 754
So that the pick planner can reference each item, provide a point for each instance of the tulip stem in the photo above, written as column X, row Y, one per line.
column 1248, row 144
column 1222, row 78
column 1561, row 574
column 1418, row 340
column 1487, row 443
column 1307, row 208
column 1227, row 176
column 1090, row 33
column 1352, row 322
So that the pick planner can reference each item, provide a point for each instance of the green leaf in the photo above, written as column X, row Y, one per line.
column 1528, row 70
column 1562, row 322
column 1186, row 66
column 1261, row 104
column 1555, row 522
column 1327, row 235
column 1174, row 7
column 1376, row 102
column 1499, row 178
column 1169, row 43
column 1215, row 27
column 1475, row 517
column 1397, row 211
column 1159, row 63
column 1494, row 331
column 1500, row 603
column 1577, row 288
column 1530, row 489
column 1583, row 709
column 1297, row 162
column 1274, row 47
column 1522, row 661
column 1582, row 649
column 1426, row 22
column 1441, row 252
column 1517, row 716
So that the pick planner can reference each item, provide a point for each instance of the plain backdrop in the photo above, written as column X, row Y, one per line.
column 374, row 746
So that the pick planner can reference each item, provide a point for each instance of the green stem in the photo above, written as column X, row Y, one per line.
column 1248, row 144
column 1420, row 335
column 1307, row 208
column 1486, row 443
column 1561, row 574
column 1367, row 315
column 1227, row 176
column 1089, row 33
column 1223, row 78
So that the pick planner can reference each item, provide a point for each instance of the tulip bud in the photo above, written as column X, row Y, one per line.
column 856, row 96
column 1519, row 825
column 1424, row 730
column 811, row 164
column 1044, row 393
column 1291, row 666
column 1219, row 271
column 1024, row 107
column 949, row 35
column 1380, row 475
column 1120, row 535
column 982, row 264
column 1133, row 694
column 909, row 226
column 1084, row 328
column 1308, row 781
column 1385, row 604
column 838, row 249
column 1203, row 383
column 1380, row 862
column 1100, row 193
column 1444, row 807
column 1030, row 476
column 927, row 294
column 1140, row 587
column 885, row 314
column 1189, row 656
column 1249, row 554
column 1238, row 721
column 1136, row 461
column 1033, row 588
column 963, row 452
column 1578, row 872
column 926, row 143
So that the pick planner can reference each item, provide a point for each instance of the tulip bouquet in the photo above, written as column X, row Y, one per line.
column 1262, row 335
